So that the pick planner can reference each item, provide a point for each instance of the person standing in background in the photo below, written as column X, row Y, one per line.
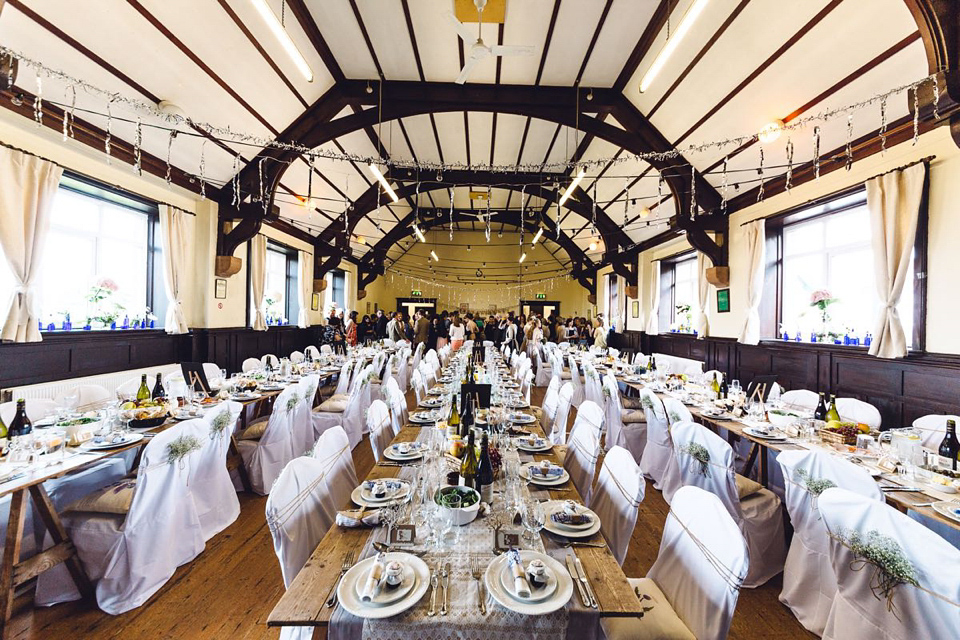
column 380, row 326
column 432, row 331
column 421, row 328
column 351, row 329
column 395, row 329
column 443, row 331
column 364, row 330
column 473, row 331
column 457, row 333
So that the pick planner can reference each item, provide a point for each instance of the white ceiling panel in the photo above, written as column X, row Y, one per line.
column 387, row 27
column 452, row 139
column 576, row 24
column 437, row 40
column 481, row 127
column 342, row 33
column 526, row 24
column 622, row 29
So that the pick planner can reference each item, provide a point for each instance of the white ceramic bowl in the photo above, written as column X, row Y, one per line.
column 779, row 420
column 466, row 515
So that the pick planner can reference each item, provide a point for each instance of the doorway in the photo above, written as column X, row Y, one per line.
column 542, row 307
column 409, row 306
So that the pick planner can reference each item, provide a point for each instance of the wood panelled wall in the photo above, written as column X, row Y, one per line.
column 74, row 355
column 902, row 389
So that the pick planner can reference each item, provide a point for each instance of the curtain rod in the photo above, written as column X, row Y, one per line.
column 849, row 189
column 106, row 184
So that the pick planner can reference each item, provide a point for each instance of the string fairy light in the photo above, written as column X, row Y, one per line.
column 789, row 179
column 883, row 126
column 203, row 168
column 760, row 172
column 236, row 181
column 173, row 134
column 137, row 142
column 849, row 148
column 37, row 102
column 816, row 153
column 723, row 187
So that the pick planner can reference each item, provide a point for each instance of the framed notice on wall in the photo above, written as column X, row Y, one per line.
column 635, row 309
column 723, row 300
column 220, row 288
column 315, row 302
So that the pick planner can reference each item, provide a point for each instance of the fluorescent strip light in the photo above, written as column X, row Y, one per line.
column 573, row 185
column 672, row 43
column 523, row 257
column 433, row 254
column 537, row 237
column 383, row 182
column 285, row 41
column 418, row 233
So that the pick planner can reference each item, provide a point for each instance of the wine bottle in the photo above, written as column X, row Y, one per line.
column 454, row 418
column 158, row 391
column 724, row 389
column 950, row 447
column 715, row 387
column 21, row 424
column 820, row 413
column 143, row 393
column 3, row 429
column 653, row 364
column 467, row 418
column 832, row 413
column 485, row 472
column 468, row 467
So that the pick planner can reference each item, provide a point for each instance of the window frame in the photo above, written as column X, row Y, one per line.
column 668, row 281
column 771, row 305
column 291, row 303
column 342, row 275
column 80, row 184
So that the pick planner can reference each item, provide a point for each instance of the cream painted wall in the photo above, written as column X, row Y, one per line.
column 200, row 306
column 943, row 304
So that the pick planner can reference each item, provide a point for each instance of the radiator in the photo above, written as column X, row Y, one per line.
column 109, row 381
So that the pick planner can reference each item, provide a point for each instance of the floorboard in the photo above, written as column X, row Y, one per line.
column 230, row 589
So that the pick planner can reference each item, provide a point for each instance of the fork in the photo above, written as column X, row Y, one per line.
column 566, row 544
column 344, row 567
column 477, row 574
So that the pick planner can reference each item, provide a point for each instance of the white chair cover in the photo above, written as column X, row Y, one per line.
column 270, row 360
column 210, row 485
column 212, row 372
column 265, row 458
column 801, row 399
column 932, row 428
column 417, row 355
column 85, row 395
column 343, row 382
column 419, row 389
column 583, row 451
column 297, row 357
column 304, row 436
column 809, row 584
column 658, row 461
column 312, row 351
column 632, row 436
column 676, row 411
column 592, row 390
column 326, row 349
column 699, row 568
column 131, row 557
column 616, row 499
column 551, row 401
column 759, row 516
column 130, row 387
column 397, row 405
column 544, row 370
column 853, row 410
column 380, row 428
column 251, row 364
column 333, row 448
column 37, row 409
column 592, row 415
column 558, row 433
column 578, row 392
column 351, row 419
column 930, row 611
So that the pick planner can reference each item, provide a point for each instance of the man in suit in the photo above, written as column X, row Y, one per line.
column 422, row 328
column 395, row 328
column 380, row 326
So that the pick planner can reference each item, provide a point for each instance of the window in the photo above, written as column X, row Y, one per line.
column 339, row 289
column 280, row 285
column 678, row 292
column 97, row 236
column 824, row 251
column 613, row 300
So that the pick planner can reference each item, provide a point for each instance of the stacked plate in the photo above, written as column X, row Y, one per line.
column 389, row 601
column 549, row 480
column 430, row 403
column 423, row 417
column 553, row 595
column 534, row 444
column 583, row 530
column 765, row 433
column 102, row 444
column 521, row 418
column 404, row 451
column 397, row 491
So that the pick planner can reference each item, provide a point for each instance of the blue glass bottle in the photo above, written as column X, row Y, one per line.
column 813, row 337
column 113, row 325
column 126, row 322
column 67, row 325
column 51, row 326
column 786, row 337
column 868, row 340
column 846, row 339
column 798, row 338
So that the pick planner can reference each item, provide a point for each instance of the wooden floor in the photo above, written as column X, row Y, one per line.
column 229, row 590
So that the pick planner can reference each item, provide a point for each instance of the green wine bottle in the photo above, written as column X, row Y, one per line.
column 143, row 393
column 832, row 413
column 468, row 468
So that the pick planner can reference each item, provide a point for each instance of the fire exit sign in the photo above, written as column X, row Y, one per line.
column 416, row 293
column 541, row 296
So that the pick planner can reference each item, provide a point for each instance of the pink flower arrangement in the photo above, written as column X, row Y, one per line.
column 107, row 284
column 820, row 296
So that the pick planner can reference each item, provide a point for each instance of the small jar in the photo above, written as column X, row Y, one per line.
column 537, row 573
column 394, row 575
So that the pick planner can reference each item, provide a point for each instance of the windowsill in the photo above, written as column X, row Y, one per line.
column 687, row 334
column 61, row 332
column 826, row 345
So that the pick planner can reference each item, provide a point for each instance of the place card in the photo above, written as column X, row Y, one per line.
column 403, row 535
column 506, row 541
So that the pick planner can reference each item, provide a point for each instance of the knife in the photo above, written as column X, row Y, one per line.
column 434, row 581
column 586, row 583
column 446, row 588
column 909, row 489
column 573, row 575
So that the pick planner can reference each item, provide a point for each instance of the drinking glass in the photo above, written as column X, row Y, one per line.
column 450, row 514
column 533, row 518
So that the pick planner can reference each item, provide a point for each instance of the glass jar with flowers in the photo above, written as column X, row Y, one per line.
column 102, row 309
column 821, row 300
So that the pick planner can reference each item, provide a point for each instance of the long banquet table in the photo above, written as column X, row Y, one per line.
column 303, row 604
column 901, row 500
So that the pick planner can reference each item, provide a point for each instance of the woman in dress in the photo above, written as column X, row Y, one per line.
column 458, row 333
column 432, row 332
column 364, row 330
column 443, row 331
column 351, row 329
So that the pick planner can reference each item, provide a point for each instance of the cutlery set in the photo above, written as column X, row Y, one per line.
column 441, row 580
column 348, row 560
column 575, row 568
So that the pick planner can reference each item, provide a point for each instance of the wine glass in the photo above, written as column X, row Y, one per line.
column 533, row 518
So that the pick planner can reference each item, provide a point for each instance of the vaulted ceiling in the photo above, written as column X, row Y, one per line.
column 743, row 64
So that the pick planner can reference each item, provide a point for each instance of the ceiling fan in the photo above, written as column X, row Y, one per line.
column 478, row 49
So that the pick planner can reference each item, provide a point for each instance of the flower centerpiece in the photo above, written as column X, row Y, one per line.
column 684, row 310
column 103, row 309
column 821, row 301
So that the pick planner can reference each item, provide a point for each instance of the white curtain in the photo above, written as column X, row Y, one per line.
column 893, row 200
column 652, row 291
column 305, row 288
column 703, row 294
column 258, row 279
column 756, row 239
column 28, row 186
column 173, row 234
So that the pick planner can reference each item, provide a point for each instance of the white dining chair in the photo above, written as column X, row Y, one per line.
column 932, row 428
column 210, row 485
column 854, row 410
column 757, row 511
column 631, row 434
column 267, row 444
column 576, row 381
column 809, row 584
column 419, row 388
column 592, row 388
column 346, row 411
column 270, row 360
column 304, row 436
column 544, row 369
column 312, row 352
column 326, row 349
column 397, row 405
column 84, row 396
column 583, row 452
column 36, row 408
column 927, row 610
column 296, row 357
column 658, row 460
column 333, row 448
column 558, row 433
column 251, row 364
column 380, row 428
column 802, row 399
column 691, row 591
column 616, row 499
column 549, row 405
column 132, row 536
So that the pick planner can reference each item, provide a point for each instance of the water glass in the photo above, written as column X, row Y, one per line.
column 533, row 517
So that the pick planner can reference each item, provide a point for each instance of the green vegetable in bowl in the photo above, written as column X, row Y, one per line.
column 468, row 497
column 781, row 412
column 76, row 422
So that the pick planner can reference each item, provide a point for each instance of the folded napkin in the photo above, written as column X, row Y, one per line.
column 553, row 471
column 562, row 517
column 372, row 585
column 520, row 584
column 389, row 484
column 355, row 518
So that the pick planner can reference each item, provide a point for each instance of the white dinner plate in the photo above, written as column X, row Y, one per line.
column 948, row 509
column 350, row 601
column 244, row 397
column 773, row 437
column 540, row 480
column 567, row 531
column 422, row 417
column 388, row 596
column 537, row 594
column 522, row 418
column 430, row 403
column 524, row 445
column 367, row 494
column 491, row 578
column 130, row 438
column 357, row 497
column 392, row 453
